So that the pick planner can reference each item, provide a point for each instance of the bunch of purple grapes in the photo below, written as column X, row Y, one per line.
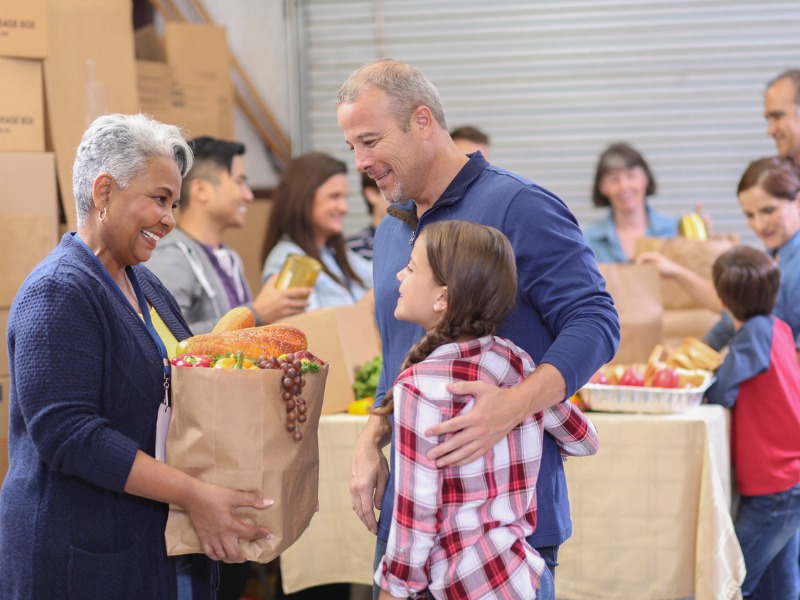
column 293, row 384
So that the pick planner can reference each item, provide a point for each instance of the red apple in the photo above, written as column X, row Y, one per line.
column 666, row 377
column 599, row 377
column 632, row 377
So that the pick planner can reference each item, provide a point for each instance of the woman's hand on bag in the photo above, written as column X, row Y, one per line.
column 212, row 512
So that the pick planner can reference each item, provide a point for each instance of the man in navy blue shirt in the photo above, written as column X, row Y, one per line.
column 392, row 119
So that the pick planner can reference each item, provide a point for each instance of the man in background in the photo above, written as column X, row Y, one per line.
column 470, row 139
column 782, row 111
column 205, row 276
column 362, row 242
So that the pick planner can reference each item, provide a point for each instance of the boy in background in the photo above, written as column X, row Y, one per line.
column 760, row 380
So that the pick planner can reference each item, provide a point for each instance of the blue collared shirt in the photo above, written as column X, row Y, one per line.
column 603, row 239
column 563, row 316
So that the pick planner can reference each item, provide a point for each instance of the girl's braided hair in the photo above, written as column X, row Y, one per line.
column 476, row 263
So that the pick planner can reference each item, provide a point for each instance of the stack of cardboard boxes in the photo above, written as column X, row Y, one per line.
column 84, row 75
column 28, row 200
column 184, row 78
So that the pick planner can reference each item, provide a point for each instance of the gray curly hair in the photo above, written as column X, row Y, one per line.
column 120, row 145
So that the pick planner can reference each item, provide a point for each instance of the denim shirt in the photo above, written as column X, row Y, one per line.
column 327, row 292
column 602, row 235
column 787, row 304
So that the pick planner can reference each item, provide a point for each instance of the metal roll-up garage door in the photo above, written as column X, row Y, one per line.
column 553, row 82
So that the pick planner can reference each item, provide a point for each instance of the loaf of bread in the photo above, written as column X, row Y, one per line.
column 267, row 340
column 694, row 354
column 240, row 317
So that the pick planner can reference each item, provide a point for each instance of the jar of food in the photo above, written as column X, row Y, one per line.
column 298, row 271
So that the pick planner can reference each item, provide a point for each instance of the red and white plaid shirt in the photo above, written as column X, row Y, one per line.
column 460, row 531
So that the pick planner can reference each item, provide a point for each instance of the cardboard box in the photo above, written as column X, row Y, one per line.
column 248, row 241
column 198, row 106
column 154, row 85
column 149, row 45
column 21, row 106
column 346, row 337
column 28, row 217
column 23, row 28
column 203, row 66
column 192, row 64
column 184, row 96
column 86, row 75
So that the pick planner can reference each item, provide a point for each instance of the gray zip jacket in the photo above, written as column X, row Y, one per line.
column 184, row 267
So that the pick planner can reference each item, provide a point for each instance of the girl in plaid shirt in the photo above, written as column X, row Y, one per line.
column 459, row 532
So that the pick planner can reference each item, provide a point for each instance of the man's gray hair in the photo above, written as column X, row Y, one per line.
column 793, row 75
column 121, row 145
column 405, row 86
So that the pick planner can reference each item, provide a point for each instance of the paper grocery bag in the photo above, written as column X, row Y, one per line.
column 636, row 291
column 229, row 428
column 695, row 255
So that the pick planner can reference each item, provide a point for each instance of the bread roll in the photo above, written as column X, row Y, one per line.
column 268, row 340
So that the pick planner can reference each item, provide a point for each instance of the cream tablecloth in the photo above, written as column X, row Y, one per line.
column 651, row 513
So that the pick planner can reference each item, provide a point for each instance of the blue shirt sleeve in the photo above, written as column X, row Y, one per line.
column 559, row 278
column 721, row 333
column 749, row 355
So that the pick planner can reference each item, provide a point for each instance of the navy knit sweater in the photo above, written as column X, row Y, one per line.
column 86, row 383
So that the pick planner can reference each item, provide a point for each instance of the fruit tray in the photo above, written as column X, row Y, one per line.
column 626, row 398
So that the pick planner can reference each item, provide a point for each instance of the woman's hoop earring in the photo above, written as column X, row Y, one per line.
column 103, row 214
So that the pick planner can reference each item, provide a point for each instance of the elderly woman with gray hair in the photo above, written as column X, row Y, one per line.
column 84, row 505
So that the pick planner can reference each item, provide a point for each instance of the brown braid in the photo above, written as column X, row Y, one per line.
column 476, row 263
